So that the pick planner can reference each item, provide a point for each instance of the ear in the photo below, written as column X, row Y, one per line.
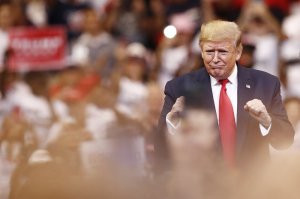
column 239, row 51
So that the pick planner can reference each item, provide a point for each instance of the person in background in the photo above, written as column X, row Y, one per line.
column 175, row 55
column 289, row 51
column 247, row 56
column 133, row 91
column 124, row 19
column 69, row 14
column 36, row 12
column 10, row 16
column 95, row 48
column 194, row 158
column 262, row 29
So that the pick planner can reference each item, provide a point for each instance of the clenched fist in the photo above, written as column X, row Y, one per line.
column 174, row 115
column 258, row 111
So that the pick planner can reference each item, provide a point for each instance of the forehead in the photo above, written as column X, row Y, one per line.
column 218, row 44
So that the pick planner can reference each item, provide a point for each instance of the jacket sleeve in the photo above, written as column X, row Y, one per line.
column 162, row 157
column 281, row 134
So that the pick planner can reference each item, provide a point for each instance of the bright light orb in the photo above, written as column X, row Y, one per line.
column 170, row 31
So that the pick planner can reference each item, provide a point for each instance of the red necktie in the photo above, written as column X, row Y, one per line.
column 227, row 125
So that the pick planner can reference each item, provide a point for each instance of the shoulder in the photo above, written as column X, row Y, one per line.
column 264, row 83
column 189, row 77
column 257, row 75
column 180, row 85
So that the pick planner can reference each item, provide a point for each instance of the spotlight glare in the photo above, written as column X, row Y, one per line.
column 170, row 31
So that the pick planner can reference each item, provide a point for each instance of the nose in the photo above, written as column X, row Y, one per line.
column 216, row 57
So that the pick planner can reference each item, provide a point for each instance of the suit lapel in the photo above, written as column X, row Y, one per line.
column 244, row 94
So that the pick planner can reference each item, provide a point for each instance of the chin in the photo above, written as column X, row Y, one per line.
column 218, row 76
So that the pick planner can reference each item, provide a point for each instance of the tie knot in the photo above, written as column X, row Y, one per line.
column 223, row 82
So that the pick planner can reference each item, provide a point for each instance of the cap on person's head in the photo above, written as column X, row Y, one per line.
column 136, row 50
column 219, row 30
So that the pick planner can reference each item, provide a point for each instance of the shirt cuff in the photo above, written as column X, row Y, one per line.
column 263, row 130
column 172, row 129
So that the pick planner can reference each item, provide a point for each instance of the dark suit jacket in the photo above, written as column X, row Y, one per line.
column 251, row 145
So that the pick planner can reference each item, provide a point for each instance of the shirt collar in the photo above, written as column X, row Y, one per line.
column 232, row 78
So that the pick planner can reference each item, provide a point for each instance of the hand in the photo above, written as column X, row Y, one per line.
column 174, row 115
column 258, row 111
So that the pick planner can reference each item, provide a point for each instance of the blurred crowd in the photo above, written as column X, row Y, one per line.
column 97, row 116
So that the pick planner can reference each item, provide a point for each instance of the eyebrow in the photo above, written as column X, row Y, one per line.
column 217, row 49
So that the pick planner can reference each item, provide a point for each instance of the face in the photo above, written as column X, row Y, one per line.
column 92, row 22
column 197, row 132
column 220, row 57
column 6, row 17
column 135, row 68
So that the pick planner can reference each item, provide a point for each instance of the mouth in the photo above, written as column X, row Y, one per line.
column 216, row 67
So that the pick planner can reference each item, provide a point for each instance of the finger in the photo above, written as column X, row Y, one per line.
column 180, row 99
column 252, row 109
column 179, row 102
column 254, row 105
column 255, row 111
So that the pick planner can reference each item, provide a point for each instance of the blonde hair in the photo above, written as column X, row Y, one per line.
column 219, row 30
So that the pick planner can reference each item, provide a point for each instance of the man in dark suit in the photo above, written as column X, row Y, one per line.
column 257, row 111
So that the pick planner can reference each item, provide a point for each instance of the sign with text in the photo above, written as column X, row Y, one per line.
column 37, row 48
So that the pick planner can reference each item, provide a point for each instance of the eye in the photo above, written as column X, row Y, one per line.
column 223, row 52
column 209, row 52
